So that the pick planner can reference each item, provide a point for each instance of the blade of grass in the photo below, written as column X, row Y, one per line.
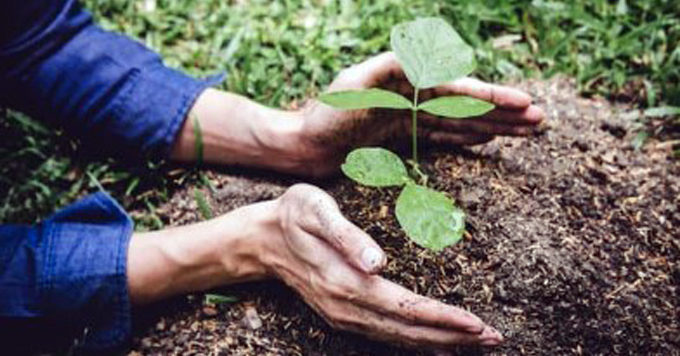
column 198, row 141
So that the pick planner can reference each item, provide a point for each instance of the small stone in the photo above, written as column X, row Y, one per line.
column 383, row 212
column 209, row 311
column 252, row 319
column 472, row 197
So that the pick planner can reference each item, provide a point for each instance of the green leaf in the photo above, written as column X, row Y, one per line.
column 456, row 107
column 220, row 299
column 133, row 184
column 365, row 99
column 429, row 218
column 431, row 52
column 207, row 183
column 375, row 167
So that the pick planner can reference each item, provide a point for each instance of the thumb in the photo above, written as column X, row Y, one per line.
column 326, row 222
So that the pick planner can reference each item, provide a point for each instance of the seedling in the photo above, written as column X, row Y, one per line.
column 431, row 53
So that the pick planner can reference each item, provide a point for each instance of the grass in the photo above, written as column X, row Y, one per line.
column 281, row 52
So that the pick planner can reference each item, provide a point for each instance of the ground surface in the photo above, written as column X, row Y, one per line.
column 573, row 248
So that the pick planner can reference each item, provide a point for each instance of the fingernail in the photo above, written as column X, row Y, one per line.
column 476, row 324
column 371, row 258
column 498, row 334
column 476, row 329
column 492, row 336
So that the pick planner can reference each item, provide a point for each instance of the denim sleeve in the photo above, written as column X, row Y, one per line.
column 107, row 89
column 66, row 278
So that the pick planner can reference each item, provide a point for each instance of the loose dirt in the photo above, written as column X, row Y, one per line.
column 573, row 248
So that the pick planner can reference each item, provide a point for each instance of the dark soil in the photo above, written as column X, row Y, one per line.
column 573, row 248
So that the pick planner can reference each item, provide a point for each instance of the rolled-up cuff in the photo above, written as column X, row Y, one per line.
column 84, row 270
column 105, row 88
column 149, row 99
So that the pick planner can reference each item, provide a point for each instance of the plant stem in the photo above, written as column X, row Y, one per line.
column 414, row 126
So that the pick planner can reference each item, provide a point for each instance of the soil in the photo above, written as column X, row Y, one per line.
column 573, row 247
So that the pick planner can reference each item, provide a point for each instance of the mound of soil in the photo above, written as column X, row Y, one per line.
column 572, row 248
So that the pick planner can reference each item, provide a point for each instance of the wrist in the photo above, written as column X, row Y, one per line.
column 200, row 256
column 278, row 133
column 236, row 130
column 245, row 256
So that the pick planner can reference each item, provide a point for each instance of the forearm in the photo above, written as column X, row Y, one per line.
column 236, row 130
column 201, row 256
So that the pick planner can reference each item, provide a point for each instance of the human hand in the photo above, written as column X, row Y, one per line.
column 303, row 239
column 327, row 134
column 332, row 263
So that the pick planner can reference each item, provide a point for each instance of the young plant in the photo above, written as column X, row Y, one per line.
column 431, row 53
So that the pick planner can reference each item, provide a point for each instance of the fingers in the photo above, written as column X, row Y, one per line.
column 353, row 243
column 322, row 218
column 469, row 131
column 417, row 335
column 386, row 328
column 502, row 96
column 398, row 302
column 379, row 69
column 531, row 115
column 496, row 122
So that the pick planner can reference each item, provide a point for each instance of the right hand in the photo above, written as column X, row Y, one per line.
column 332, row 263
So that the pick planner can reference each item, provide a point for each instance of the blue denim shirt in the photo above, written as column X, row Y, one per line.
column 66, row 277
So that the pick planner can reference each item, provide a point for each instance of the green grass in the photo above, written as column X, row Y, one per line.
column 41, row 170
column 281, row 52
column 606, row 45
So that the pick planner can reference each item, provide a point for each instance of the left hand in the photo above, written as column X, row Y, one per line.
column 328, row 134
